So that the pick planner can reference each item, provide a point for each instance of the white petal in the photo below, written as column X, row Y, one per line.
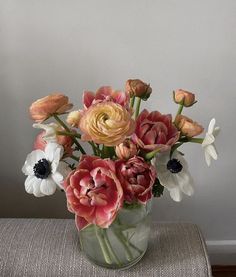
column 50, row 131
column 48, row 186
column 211, row 126
column 185, row 183
column 28, row 169
column 53, row 151
column 176, row 194
column 212, row 151
column 216, row 131
column 209, row 139
column 207, row 158
column 162, row 158
column 36, row 188
column 34, row 157
column 58, row 179
column 167, row 179
column 29, row 184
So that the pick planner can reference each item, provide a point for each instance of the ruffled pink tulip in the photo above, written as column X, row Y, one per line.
column 103, row 94
column 45, row 107
column 137, row 178
column 155, row 131
column 93, row 192
column 65, row 141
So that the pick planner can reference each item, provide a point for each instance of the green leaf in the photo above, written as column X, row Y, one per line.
column 157, row 189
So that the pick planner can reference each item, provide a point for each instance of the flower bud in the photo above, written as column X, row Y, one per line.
column 126, row 150
column 187, row 126
column 184, row 97
column 73, row 118
column 138, row 88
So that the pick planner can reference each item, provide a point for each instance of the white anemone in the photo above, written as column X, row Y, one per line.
column 45, row 170
column 208, row 142
column 174, row 175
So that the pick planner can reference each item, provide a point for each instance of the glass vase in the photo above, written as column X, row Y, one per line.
column 124, row 243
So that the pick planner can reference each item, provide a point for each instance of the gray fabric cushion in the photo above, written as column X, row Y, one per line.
column 50, row 247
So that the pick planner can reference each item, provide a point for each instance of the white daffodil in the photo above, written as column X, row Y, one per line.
column 174, row 175
column 208, row 142
column 50, row 131
column 45, row 170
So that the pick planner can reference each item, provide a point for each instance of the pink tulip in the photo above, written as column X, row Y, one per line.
column 93, row 192
column 155, row 131
column 104, row 94
column 137, row 178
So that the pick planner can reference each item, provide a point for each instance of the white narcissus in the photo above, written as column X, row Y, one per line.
column 208, row 142
column 174, row 175
column 45, row 170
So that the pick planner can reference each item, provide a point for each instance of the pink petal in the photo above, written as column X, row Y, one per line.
column 88, row 98
column 80, row 222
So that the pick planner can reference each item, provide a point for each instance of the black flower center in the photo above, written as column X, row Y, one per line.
column 42, row 169
column 174, row 166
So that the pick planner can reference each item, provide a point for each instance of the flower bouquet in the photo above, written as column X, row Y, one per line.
column 135, row 157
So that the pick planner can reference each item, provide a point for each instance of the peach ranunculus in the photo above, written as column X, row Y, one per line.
column 155, row 131
column 94, row 192
column 137, row 178
column 50, row 135
column 45, row 107
column 103, row 94
column 126, row 150
column 107, row 123
column 138, row 88
column 184, row 97
column 187, row 126
column 73, row 118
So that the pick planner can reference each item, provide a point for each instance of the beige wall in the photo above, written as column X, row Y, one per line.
column 73, row 45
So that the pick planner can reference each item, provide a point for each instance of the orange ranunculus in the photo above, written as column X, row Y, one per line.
column 138, row 88
column 184, row 97
column 43, row 108
column 107, row 123
column 187, row 126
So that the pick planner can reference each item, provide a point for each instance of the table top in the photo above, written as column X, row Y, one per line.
column 50, row 247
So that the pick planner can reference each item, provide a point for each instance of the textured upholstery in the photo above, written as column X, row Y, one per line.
column 50, row 247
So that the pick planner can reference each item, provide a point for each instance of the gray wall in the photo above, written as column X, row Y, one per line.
column 73, row 45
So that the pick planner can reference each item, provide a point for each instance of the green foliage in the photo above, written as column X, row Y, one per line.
column 157, row 189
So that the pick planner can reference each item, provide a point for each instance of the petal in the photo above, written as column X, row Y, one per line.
column 53, row 151
column 216, row 131
column 207, row 158
column 176, row 194
column 209, row 139
column 88, row 98
column 34, row 157
column 36, row 188
column 80, row 222
column 48, row 186
column 211, row 126
column 58, row 179
column 185, row 183
column 29, row 184
column 212, row 151
column 167, row 179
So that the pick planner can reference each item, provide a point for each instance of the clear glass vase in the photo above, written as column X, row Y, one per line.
column 124, row 243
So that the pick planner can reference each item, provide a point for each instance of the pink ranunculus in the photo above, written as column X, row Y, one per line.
column 65, row 141
column 94, row 192
column 155, row 131
column 103, row 94
column 137, row 178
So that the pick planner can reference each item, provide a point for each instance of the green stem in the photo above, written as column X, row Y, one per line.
column 103, row 245
column 94, row 148
column 196, row 140
column 137, row 107
column 110, row 249
column 68, row 130
column 69, row 134
column 123, row 241
column 151, row 155
column 132, row 100
column 180, row 109
column 75, row 158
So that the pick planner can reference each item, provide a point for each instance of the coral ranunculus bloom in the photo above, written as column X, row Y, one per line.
column 93, row 192
column 137, row 178
column 187, row 126
column 107, row 123
column 155, row 131
column 43, row 108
